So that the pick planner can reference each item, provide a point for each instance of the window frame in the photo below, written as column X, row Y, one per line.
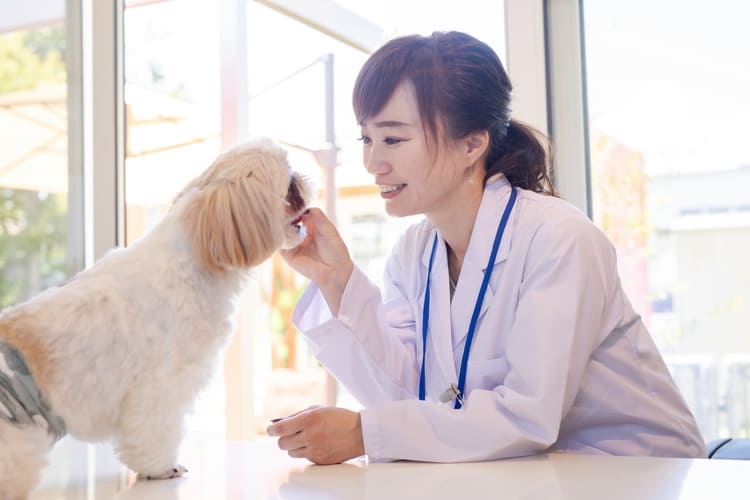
column 547, row 67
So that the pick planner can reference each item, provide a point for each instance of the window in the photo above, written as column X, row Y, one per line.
column 34, row 223
column 668, row 111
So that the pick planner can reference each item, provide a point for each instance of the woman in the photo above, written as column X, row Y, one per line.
column 503, row 329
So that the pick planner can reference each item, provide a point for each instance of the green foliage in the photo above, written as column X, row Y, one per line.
column 33, row 225
column 47, row 41
column 32, row 243
column 287, row 295
column 31, row 58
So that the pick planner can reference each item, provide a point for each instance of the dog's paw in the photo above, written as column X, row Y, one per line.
column 176, row 471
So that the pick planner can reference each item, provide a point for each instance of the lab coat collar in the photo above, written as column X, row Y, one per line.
column 495, row 198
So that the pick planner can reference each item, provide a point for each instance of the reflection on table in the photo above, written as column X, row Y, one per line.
column 252, row 470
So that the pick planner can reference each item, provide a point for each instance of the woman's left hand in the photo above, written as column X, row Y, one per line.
column 323, row 435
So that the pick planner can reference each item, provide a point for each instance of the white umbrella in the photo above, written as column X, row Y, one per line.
column 33, row 127
column 168, row 142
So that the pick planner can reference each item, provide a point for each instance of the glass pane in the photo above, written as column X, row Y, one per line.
column 483, row 19
column 33, row 161
column 670, row 167
column 172, row 126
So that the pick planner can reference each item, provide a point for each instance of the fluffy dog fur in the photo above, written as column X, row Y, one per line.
column 121, row 350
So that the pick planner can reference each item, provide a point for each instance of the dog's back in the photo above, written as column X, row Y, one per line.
column 137, row 314
column 141, row 316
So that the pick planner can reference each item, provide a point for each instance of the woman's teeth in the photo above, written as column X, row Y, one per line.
column 389, row 189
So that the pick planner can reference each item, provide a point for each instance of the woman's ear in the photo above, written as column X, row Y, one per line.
column 475, row 145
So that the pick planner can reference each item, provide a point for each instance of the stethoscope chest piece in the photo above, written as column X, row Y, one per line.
column 450, row 394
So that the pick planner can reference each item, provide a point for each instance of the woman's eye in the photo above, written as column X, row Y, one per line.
column 364, row 139
column 392, row 141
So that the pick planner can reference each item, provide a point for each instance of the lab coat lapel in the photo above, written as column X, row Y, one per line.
column 439, row 343
column 494, row 200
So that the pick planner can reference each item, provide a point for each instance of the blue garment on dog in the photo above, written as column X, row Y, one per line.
column 21, row 401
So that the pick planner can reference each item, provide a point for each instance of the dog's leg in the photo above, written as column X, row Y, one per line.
column 149, row 435
column 23, row 454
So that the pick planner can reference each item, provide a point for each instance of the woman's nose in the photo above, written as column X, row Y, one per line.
column 374, row 163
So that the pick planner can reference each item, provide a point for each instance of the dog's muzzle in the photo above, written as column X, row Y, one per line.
column 294, row 196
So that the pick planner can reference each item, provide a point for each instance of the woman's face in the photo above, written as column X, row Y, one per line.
column 414, row 176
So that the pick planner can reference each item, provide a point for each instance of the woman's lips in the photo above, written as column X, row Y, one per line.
column 390, row 190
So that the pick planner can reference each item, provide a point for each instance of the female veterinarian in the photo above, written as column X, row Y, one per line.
column 503, row 329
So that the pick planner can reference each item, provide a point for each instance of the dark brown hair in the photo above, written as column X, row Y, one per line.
column 460, row 82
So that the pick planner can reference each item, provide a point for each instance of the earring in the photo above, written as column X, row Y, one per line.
column 470, row 168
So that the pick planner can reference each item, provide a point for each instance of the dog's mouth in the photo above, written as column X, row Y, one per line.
column 299, row 195
column 298, row 220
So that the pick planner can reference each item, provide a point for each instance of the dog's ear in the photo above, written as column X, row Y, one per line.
column 235, row 223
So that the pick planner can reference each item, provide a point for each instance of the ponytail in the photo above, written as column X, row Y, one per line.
column 524, row 156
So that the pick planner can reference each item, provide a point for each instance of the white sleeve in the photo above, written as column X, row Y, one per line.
column 371, row 346
column 561, row 312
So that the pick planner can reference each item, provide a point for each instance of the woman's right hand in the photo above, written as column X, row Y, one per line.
column 322, row 257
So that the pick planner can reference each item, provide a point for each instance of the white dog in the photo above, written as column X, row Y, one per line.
column 121, row 350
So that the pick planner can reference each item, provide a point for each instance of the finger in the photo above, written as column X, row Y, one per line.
column 292, row 442
column 291, row 253
column 300, row 254
column 315, row 214
column 316, row 219
column 311, row 407
column 303, row 247
column 298, row 452
column 305, row 410
column 286, row 427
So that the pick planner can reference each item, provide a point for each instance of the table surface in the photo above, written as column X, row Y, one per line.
column 220, row 469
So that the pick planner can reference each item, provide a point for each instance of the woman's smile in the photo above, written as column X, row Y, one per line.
column 388, row 191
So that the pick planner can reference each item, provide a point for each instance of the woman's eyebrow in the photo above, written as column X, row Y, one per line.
column 390, row 123
column 387, row 123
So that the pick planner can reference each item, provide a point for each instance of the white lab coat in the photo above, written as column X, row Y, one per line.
column 560, row 361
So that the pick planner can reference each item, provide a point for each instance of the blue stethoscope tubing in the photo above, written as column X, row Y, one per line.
column 477, row 306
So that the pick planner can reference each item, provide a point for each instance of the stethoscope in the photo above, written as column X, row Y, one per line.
column 456, row 391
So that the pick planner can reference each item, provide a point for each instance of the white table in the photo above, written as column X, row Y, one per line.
column 220, row 469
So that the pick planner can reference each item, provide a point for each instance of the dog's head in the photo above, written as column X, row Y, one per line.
column 244, row 207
